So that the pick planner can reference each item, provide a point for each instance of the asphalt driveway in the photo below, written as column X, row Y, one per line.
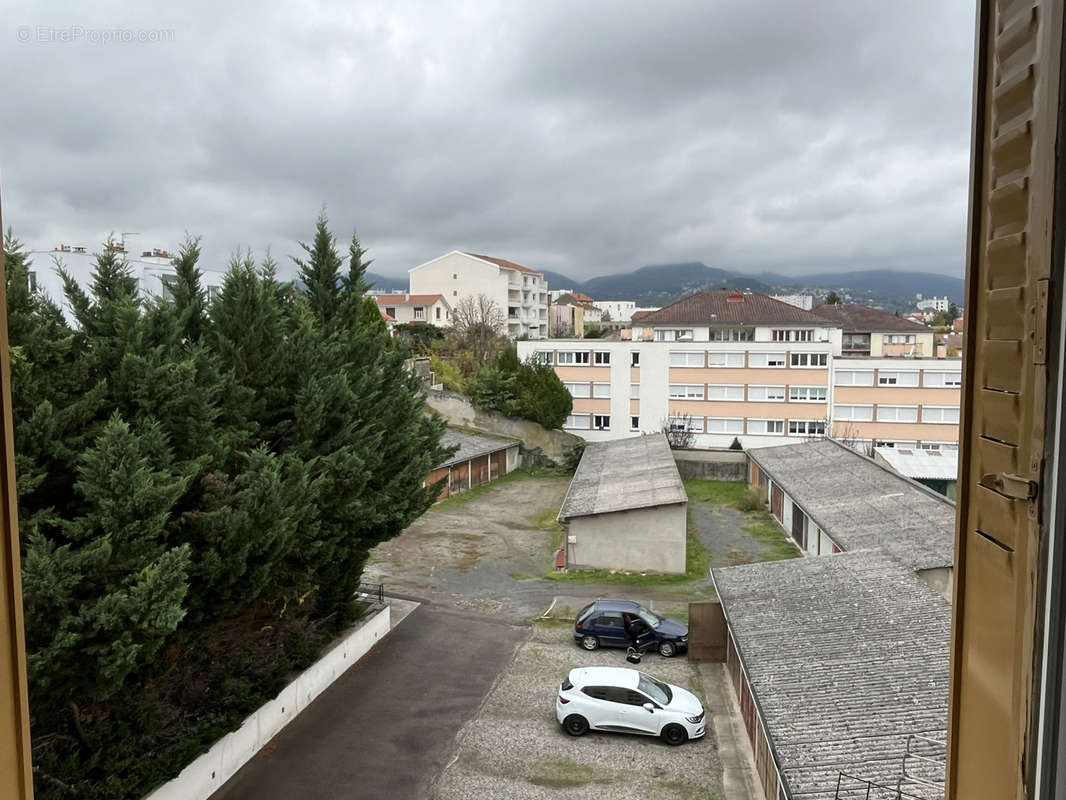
column 387, row 727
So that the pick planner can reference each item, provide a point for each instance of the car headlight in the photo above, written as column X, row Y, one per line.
column 683, row 639
column 696, row 719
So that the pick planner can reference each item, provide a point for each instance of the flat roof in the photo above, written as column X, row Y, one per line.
column 847, row 656
column 622, row 475
column 862, row 504
column 471, row 445
column 916, row 463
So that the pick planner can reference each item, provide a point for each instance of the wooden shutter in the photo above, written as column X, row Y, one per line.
column 1002, row 428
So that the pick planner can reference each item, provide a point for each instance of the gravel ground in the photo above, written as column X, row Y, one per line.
column 514, row 748
column 721, row 529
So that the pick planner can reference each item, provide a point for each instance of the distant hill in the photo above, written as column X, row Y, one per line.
column 385, row 283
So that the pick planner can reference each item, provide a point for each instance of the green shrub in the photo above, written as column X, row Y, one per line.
column 751, row 500
column 448, row 374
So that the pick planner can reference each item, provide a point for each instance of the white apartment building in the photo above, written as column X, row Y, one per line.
column 619, row 310
column 933, row 303
column 731, row 365
column 804, row 301
column 152, row 269
column 520, row 293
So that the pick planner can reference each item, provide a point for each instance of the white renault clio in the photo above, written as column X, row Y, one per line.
column 628, row 701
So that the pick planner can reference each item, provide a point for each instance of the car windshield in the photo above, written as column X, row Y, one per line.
column 651, row 619
column 656, row 690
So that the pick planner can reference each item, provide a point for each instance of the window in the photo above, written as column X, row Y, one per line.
column 213, row 292
column 634, row 391
column 719, row 391
column 940, row 414
column 892, row 443
column 685, row 358
column 897, row 413
column 765, row 393
column 856, row 341
column 897, row 378
column 732, row 335
column 764, row 360
column 634, row 360
column 601, row 422
column 806, row 427
column 942, row 379
column 438, row 312
column 691, row 424
column 577, row 422
column 848, row 377
column 391, row 311
column 899, row 338
column 767, row 426
column 686, row 391
column 634, row 423
column 455, row 292
column 601, row 358
column 793, row 335
column 567, row 357
column 809, row 359
column 725, row 425
column 725, row 359
column 31, row 281
column 674, row 335
column 542, row 357
column 854, row 413
column 577, row 389
column 601, row 390
column 806, row 394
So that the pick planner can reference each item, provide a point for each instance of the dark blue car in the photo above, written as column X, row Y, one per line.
column 623, row 623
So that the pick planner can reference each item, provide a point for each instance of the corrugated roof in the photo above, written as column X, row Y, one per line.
column 940, row 465
column 732, row 306
column 862, row 504
column 846, row 655
column 854, row 318
column 471, row 445
column 620, row 475
column 503, row 262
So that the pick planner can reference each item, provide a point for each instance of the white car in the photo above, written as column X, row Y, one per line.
column 628, row 701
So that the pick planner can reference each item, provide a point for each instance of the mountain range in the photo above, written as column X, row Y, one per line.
column 661, row 284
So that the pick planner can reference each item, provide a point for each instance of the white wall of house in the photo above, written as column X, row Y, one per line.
column 521, row 296
column 620, row 310
column 644, row 539
column 397, row 306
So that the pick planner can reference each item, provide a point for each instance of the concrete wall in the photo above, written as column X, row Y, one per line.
column 458, row 410
column 719, row 465
column 642, row 540
column 204, row 776
column 940, row 578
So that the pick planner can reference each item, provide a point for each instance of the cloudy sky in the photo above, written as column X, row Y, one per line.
column 585, row 137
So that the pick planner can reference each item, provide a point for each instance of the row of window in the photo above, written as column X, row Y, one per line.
column 736, row 335
column 885, row 413
column 734, row 425
column 697, row 358
column 929, row 379
column 735, row 392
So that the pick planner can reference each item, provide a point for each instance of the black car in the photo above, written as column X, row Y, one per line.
column 623, row 623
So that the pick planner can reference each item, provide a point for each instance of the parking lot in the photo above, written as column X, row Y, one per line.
column 514, row 747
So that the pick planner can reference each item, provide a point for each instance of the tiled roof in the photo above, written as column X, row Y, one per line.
column 574, row 300
column 862, row 504
column 732, row 306
column 846, row 655
column 391, row 300
column 863, row 319
column 620, row 475
column 914, row 463
column 471, row 445
column 502, row 262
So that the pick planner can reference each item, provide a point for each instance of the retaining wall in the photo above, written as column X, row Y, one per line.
column 458, row 410
column 719, row 465
column 204, row 776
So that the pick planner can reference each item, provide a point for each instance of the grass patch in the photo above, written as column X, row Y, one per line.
column 553, row 622
column 560, row 774
column 520, row 474
column 767, row 532
column 722, row 493
column 686, row 791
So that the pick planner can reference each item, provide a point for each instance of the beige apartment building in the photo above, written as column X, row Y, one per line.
column 726, row 364
column 871, row 332
column 520, row 293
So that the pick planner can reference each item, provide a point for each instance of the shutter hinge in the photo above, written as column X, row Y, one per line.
column 1013, row 486
column 1040, row 329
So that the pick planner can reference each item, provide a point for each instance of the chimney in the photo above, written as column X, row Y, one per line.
column 736, row 296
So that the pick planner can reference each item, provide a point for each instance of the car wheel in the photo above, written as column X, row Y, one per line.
column 590, row 642
column 667, row 649
column 674, row 735
column 577, row 725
